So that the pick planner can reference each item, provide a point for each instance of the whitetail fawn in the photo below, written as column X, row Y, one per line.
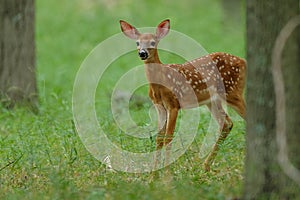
column 212, row 79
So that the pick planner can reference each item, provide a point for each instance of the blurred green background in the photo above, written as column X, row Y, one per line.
column 42, row 156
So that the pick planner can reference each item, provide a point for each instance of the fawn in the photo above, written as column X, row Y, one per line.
column 212, row 79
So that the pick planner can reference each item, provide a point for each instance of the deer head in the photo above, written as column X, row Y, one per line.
column 146, row 42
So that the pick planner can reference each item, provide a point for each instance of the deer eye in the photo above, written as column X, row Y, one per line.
column 152, row 43
column 137, row 43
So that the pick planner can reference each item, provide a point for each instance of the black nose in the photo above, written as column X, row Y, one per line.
column 143, row 54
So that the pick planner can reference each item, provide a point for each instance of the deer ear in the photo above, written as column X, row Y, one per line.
column 163, row 29
column 129, row 30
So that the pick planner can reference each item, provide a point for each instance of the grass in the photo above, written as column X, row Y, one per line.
column 42, row 157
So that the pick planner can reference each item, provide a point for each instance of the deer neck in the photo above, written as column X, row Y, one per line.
column 153, row 68
column 154, row 59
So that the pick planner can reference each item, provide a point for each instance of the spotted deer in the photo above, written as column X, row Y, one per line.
column 208, row 80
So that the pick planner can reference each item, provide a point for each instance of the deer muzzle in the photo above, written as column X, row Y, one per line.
column 143, row 54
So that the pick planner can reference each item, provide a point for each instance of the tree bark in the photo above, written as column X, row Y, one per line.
column 17, row 52
column 264, row 177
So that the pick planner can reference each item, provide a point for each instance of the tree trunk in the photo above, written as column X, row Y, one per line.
column 264, row 177
column 17, row 52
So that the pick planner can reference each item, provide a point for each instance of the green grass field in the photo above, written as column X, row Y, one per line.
column 42, row 156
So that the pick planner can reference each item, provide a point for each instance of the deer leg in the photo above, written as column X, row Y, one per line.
column 171, row 124
column 238, row 104
column 225, row 125
column 162, row 121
